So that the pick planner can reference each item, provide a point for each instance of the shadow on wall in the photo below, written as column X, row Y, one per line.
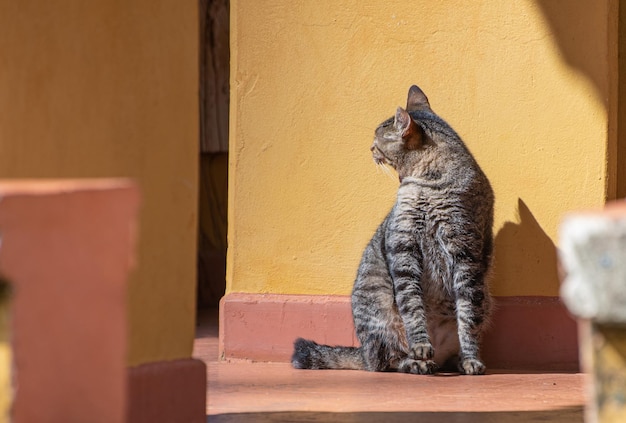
column 526, row 256
column 574, row 25
column 524, row 251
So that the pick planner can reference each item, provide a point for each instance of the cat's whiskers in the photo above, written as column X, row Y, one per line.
column 380, row 167
column 385, row 168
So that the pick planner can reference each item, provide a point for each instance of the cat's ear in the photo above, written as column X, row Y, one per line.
column 416, row 100
column 407, row 127
column 402, row 121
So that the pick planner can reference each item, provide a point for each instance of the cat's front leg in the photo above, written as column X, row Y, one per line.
column 405, row 262
column 411, row 309
column 421, row 350
column 472, row 310
column 417, row 367
column 472, row 366
column 468, row 321
column 406, row 273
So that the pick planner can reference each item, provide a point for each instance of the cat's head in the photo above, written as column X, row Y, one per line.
column 399, row 135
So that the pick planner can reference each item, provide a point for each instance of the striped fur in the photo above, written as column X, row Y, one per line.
column 421, row 298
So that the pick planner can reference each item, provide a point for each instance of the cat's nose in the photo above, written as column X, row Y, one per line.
column 372, row 147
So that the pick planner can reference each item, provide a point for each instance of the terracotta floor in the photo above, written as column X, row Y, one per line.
column 274, row 392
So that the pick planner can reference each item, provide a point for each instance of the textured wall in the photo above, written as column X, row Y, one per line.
column 103, row 88
column 526, row 83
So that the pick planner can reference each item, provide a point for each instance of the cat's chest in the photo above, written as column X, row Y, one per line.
column 421, row 222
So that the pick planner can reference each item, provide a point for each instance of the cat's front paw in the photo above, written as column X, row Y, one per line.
column 418, row 367
column 422, row 351
column 472, row 366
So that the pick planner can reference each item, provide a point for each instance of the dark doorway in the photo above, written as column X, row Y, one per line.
column 213, row 197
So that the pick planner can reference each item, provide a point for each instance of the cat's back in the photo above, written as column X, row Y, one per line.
column 451, row 176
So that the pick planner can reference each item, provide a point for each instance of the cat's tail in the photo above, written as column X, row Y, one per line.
column 310, row 355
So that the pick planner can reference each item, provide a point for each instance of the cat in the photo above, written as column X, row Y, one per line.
column 421, row 300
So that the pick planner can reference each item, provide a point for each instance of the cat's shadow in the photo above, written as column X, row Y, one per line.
column 530, row 328
column 525, row 258
column 446, row 374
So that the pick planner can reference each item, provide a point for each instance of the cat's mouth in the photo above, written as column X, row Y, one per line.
column 379, row 157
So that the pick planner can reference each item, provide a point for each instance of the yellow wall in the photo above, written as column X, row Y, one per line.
column 526, row 84
column 105, row 88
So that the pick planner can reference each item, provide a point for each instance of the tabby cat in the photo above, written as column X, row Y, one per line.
column 421, row 299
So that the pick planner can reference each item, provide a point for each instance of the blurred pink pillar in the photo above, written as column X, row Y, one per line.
column 67, row 248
